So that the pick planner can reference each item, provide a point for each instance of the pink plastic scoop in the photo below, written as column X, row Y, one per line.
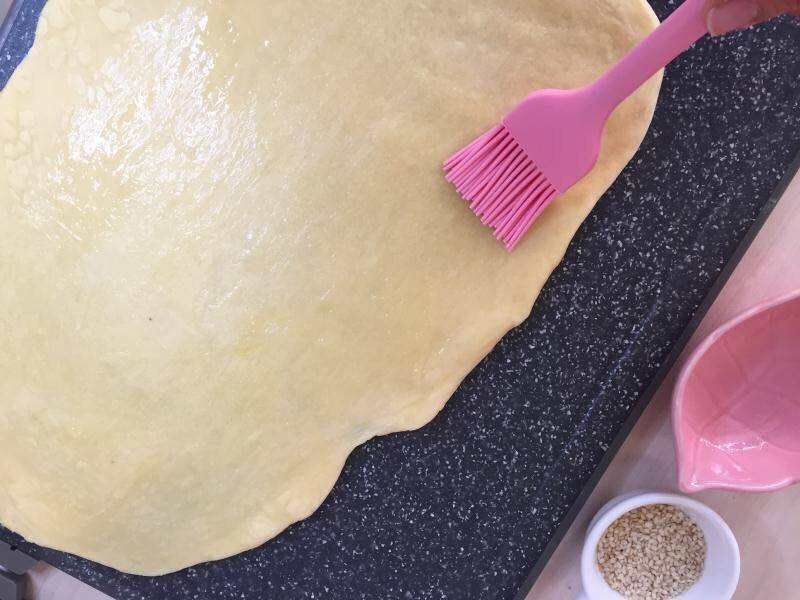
column 736, row 407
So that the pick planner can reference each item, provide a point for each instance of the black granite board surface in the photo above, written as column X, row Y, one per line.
column 466, row 506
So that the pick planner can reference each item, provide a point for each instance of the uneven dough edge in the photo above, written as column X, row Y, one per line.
column 425, row 410
column 415, row 415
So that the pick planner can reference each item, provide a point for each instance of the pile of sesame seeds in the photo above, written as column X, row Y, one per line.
column 654, row 552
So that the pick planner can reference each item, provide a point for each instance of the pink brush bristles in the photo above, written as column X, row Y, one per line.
column 503, row 186
column 552, row 139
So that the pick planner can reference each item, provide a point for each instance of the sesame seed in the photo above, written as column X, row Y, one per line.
column 654, row 552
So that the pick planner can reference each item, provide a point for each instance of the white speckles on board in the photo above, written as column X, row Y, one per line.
column 599, row 333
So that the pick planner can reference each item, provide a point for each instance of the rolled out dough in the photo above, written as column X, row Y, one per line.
column 229, row 255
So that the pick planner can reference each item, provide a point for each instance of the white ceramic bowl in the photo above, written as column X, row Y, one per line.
column 720, row 574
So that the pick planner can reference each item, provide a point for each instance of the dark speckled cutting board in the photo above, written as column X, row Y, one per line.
column 470, row 506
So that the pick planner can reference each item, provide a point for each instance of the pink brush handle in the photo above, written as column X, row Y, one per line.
column 683, row 27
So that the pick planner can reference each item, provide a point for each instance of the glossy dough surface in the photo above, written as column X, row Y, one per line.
column 229, row 255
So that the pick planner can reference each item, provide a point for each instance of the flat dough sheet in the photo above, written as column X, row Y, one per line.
column 229, row 255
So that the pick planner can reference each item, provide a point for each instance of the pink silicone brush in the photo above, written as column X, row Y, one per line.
column 552, row 139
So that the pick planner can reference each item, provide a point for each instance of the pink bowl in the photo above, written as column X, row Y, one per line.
column 736, row 406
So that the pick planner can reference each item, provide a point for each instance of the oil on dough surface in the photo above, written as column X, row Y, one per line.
column 229, row 255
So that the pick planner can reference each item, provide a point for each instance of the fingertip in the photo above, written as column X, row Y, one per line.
column 733, row 15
